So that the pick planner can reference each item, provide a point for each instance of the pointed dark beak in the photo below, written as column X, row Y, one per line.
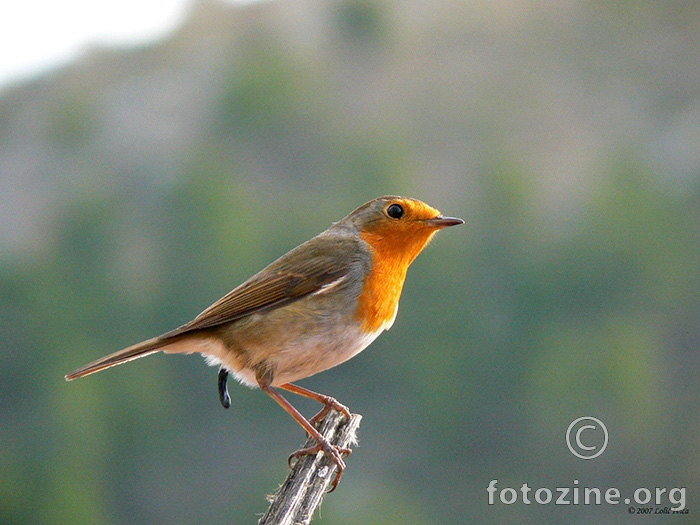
column 444, row 222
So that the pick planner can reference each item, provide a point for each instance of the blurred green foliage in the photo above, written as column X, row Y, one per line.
column 510, row 327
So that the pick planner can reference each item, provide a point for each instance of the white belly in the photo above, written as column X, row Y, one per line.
column 308, row 357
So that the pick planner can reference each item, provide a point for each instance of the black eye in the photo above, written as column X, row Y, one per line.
column 395, row 211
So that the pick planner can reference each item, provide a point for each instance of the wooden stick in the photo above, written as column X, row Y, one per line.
column 307, row 482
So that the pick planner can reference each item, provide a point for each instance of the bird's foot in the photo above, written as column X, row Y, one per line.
column 334, row 452
column 328, row 404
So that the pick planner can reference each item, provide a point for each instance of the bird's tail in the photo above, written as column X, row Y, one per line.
column 142, row 349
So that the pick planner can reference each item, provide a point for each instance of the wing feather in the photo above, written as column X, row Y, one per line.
column 293, row 276
column 303, row 271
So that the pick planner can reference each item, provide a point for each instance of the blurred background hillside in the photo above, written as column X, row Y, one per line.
column 139, row 185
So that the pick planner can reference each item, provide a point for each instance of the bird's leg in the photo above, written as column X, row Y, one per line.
column 328, row 402
column 224, row 397
column 322, row 444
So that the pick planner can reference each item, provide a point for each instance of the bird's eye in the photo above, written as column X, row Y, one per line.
column 395, row 211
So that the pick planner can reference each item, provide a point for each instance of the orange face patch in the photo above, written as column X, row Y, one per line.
column 395, row 244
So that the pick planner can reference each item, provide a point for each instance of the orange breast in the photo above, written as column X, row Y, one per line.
column 392, row 256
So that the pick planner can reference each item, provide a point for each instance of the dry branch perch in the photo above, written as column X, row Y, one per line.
column 307, row 482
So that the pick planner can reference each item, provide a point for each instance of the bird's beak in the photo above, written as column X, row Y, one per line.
column 444, row 222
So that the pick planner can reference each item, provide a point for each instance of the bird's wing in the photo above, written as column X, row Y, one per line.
column 303, row 271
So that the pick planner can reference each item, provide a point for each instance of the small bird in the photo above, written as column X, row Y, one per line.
column 313, row 308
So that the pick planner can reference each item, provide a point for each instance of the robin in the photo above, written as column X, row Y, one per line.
column 312, row 309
